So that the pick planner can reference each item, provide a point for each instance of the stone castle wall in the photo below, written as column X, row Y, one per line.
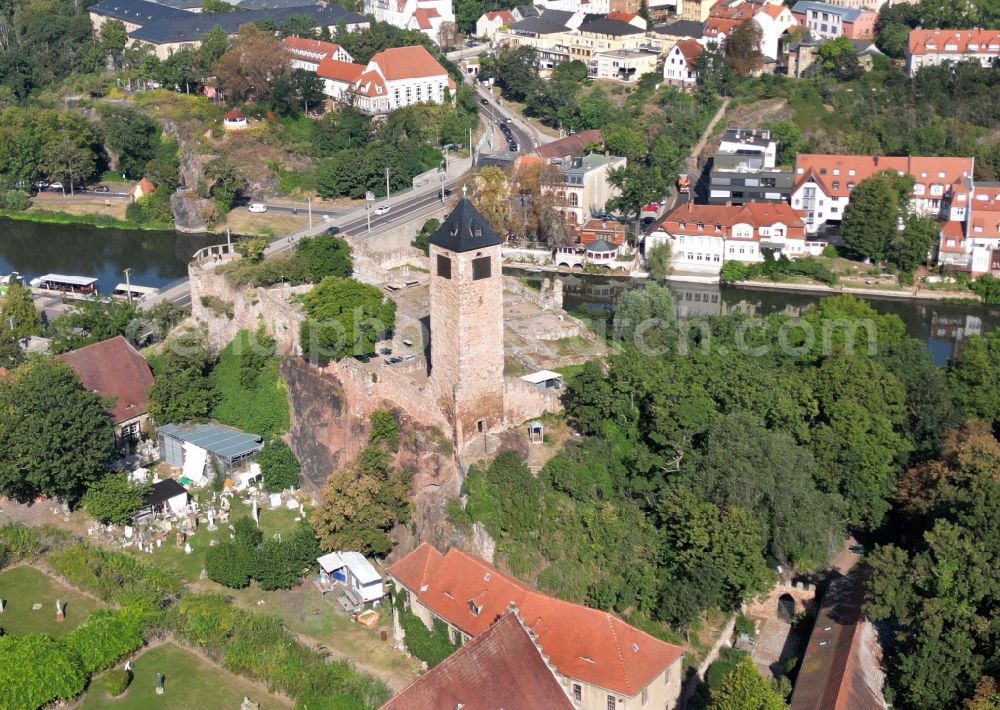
column 523, row 401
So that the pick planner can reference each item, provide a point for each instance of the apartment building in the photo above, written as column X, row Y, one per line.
column 307, row 53
column 399, row 77
column 828, row 21
column 972, row 244
column 424, row 16
column 932, row 47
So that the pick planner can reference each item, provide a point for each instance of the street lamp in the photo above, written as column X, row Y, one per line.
column 369, row 199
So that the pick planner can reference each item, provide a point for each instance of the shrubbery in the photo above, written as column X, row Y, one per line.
column 15, row 200
column 106, row 637
column 36, row 670
column 314, row 259
column 116, row 681
column 280, row 467
column 274, row 564
column 780, row 269
column 430, row 646
column 114, row 499
column 115, row 576
column 252, row 396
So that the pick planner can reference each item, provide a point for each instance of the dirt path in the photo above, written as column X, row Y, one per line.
column 692, row 160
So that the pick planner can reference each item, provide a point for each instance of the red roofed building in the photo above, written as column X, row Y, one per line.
column 308, row 53
column 601, row 660
column 503, row 667
column 141, row 188
column 678, row 65
column 704, row 237
column 118, row 372
column 338, row 77
column 932, row 47
column 399, row 77
column 823, row 184
column 424, row 16
column 489, row 23
column 773, row 18
column 972, row 244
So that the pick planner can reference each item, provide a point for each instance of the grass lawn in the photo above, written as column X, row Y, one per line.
column 189, row 682
column 21, row 587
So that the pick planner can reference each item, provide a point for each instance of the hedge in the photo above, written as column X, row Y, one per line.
column 115, row 576
column 116, row 681
column 106, row 637
column 429, row 645
column 36, row 670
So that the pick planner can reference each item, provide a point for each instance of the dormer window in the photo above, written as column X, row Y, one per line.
column 822, row 171
column 836, row 171
column 850, row 172
column 473, row 607
column 701, row 225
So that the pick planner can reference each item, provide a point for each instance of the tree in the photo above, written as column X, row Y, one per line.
column 746, row 689
column 252, row 249
column 225, row 182
column 913, row 246
column 209, row 6
column 325, row 255
column 645, row 318
column 789, row 139
column 345, row 317
column 490, row 195
column 712, row 71
column 93, row 321
column 298, row 25
column 856, row 440
column 871, row 217
column 422, row 240
column 250, row 67
column 975, row 375
column 55, row 436
column 19, row 308
column 130, row 135
column 64, row 159
column 384, row 430
column 636, row 186
column 181, row 390
column 37, row 670
column 514, row 70
column 742, row 49
column 115, row 499
column 659, row 260
column 447, row 35
column 214, row 44
column 280, row 467
column 837, row 58
column 361, row 503
column 622, row 140
column 114, row 38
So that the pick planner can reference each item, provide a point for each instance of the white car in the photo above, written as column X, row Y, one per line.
column 381, row 210
column 258, row 207
column 56, row 185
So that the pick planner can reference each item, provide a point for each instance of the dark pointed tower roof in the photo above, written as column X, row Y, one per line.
column 465, row 230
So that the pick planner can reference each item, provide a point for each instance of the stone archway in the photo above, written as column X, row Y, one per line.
column 786, row 607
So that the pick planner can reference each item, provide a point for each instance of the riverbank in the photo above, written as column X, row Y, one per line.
column 101, row 221
column 914, row 294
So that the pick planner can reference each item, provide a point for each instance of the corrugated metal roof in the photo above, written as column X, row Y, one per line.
column 218, row 439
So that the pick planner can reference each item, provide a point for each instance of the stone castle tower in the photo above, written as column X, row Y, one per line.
column 466, row 326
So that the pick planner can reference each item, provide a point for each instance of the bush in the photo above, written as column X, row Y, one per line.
column 252, row 396
column 744, row 626
column 15, row 200
column 115, row 576
column 384, row 429
column 206, row 620
column 106, row 637
column 324, row 255
column 422, row 240
column 429, row 645
column 280, row 467
column 230, row 565
column 830, row 251
column 116, row 681
column 720, row 669
column 19, row 542
column 988, row 287
column 36, row 670
column 115, row 498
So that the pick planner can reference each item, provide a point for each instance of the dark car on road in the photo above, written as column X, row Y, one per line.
column 332, row 230
column 484, row 102
column 101, row 188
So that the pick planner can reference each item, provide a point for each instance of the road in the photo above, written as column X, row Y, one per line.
column 527, row 135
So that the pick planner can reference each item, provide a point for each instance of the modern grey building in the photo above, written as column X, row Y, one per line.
column 743, row 169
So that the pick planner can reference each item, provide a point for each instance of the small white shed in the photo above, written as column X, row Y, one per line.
column 354, row 571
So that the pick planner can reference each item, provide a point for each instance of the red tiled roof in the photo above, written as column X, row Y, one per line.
column 311, row 46
column 423, row 16
column 589, row 645
column 234, row 114
column 337, row 70
column 925, row 170
column 500, row 668
column 623, row 16
column 370, row 84
column 952, row 229
column 984, row 209
column 115, row 370
column 570, row 145
column 690, row 49
column 685, row 219
column 144, row 185
column 413, row 62
column 504, row 15
column 774, row 10
column 935, row 42
column 840, row 669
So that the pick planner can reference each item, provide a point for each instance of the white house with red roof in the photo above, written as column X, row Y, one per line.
column 704, row 237
column 399, row 77
column 773, row 18
column 678, row 65
column 489, row 23
column 972, row 244
column 307, row 53
column 602, row 661
column 823, row 184
column 339, row 77
column 932, row 47
column 424, row 16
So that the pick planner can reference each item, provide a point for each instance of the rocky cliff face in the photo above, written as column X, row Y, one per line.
column 192, row 213
column 330, row 422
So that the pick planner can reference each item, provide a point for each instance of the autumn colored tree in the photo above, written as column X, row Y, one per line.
column 742, row 48
column 361, row 503
column 249, row 69
column 490, row 193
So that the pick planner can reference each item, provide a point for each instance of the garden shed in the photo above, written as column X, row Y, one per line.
column 203, row 451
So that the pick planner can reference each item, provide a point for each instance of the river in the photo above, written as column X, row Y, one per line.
column 943, row 327
column 155, row 258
